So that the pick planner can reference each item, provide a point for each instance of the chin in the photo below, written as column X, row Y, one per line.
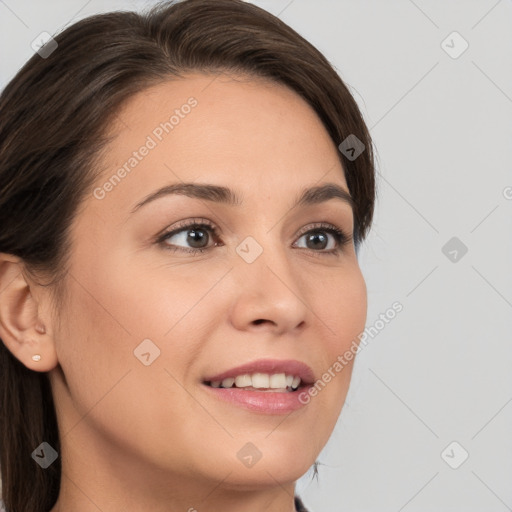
column 271, row 462
column 266, row 475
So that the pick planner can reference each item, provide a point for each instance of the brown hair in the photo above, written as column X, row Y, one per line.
column 54, row 116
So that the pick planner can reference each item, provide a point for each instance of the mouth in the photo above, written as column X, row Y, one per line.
column 264, row 386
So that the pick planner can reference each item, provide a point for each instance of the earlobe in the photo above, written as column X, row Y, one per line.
column 21, row 330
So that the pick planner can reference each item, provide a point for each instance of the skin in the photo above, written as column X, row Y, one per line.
column 138, row 437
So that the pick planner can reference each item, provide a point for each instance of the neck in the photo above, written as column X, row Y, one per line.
column 83, row 497
column 95, row 478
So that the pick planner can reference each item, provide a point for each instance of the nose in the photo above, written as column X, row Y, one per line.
column 270, row 296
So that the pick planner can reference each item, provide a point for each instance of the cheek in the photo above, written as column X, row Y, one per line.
column 151, row 297
column 93, row 346
column 107, row 317
column 342, row 307
column 118, row 302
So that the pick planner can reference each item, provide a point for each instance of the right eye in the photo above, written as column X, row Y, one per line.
column 194, row 233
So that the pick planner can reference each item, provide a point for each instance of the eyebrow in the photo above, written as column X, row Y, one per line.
column 224, row 195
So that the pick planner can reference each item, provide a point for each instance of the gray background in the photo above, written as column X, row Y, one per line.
column 440, row 371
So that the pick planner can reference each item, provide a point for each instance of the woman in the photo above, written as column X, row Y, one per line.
column 182, row 197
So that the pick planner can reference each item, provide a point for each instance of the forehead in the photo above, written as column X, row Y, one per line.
column 229, row 129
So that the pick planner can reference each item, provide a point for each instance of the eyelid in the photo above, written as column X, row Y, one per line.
column 182, row 225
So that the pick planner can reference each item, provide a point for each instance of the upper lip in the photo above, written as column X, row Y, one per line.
column 270, row 366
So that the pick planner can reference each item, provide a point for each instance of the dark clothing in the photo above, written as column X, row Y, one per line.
column 299, row 506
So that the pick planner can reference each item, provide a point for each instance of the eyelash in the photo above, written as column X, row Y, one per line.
column 339, row 235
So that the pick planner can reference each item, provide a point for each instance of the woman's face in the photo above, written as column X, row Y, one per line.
column 146, row 320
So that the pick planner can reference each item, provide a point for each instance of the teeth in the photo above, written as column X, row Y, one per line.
column 243, row 381
column 260, row 380
column 227, row 383
column 277, row 381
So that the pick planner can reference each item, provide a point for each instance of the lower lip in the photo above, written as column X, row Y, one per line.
column 263, row 401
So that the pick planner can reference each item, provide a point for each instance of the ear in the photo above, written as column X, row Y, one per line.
column 21, row 328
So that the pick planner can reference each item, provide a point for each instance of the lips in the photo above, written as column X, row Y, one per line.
column 275, row 401
column 270, row 366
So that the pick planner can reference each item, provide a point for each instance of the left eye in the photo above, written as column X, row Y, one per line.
column 319, row 239
column 197, row 237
